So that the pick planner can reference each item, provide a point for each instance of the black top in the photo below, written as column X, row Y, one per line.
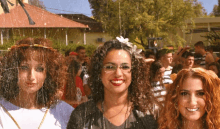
column 88, row 116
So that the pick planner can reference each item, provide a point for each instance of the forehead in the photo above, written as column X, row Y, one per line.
column 169, row 54
column 190, row 57
column 117, row 56
column 36, row 55
column 192, row 84
column 82, row 50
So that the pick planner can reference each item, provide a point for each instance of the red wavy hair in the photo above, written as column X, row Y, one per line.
column 170, row 118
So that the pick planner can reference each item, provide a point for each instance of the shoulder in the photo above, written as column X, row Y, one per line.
column 62, row 110
column 85, row 108
column 81, row 115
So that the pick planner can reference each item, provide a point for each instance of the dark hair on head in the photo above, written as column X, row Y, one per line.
column 189, row 54
column 171, row 118
column 200, row 44
column 154, row 68
column 72, row 70
column 26, row 49
column 148, row 53
column 161, row 53
column 79, row 48
column 139, row 92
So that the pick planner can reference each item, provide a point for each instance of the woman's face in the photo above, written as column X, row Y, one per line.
column 31, row 76
column 191, row 102
column 159, row 74
column 116, row 73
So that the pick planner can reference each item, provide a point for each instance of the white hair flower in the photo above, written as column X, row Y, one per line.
column 134, row 49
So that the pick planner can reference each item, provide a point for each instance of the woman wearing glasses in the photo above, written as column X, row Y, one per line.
column 120, row 91
column 193, row 101
column 32, row 76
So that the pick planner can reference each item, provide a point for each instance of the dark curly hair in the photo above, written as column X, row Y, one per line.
column 170, row 118
column 54, row 63
column 139, row 90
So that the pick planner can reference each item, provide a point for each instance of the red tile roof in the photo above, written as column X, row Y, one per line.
column 42, row 18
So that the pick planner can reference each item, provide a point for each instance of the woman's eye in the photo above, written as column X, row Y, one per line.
column 24, row 67
column 183, row 93
column 40, row 69
column 125, row 67
column 201, row 93
column 109, row 67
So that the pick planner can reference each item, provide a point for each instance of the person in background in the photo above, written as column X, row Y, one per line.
column 81, row 59
column 74, row 91
column 189, row 60
column 121, row 96
column 32, row 79
column 165, row 57
column 207, row 57
column 156, row 80
column 192, row 101
column 210, row 50
column 215, row 68
column 197, row 60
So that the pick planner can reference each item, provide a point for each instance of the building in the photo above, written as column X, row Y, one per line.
column 48, row 25
column 95, row 34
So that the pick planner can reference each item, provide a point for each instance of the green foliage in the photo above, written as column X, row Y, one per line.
column 62, row 48
column 213, row 37
column 140, row 19
column 59, row 45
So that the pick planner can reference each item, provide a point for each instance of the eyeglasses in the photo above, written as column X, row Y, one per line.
column 125, row 68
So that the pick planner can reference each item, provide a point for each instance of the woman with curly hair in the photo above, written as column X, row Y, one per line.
column 121, row 94
column 32, row 77
column 192, row 101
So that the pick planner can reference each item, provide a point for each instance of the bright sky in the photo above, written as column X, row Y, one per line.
column 83, row 7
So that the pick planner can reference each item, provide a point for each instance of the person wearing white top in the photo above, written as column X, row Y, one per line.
column 32, row 78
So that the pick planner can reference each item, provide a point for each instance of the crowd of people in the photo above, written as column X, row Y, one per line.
column 118, row 87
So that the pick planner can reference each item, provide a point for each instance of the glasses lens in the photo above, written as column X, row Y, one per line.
column 110, row 67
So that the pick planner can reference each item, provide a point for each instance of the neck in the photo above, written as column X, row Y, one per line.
column 25, row 100
column 112, row 100
column 192, row 124
column 166, row 66
column 203, row 52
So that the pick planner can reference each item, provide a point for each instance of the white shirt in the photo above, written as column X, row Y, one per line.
column 56, row 118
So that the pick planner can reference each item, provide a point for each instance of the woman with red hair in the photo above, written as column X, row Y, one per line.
column 192, row 101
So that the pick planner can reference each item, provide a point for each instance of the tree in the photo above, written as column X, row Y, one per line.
column 140, row 19
column 216, row 10
column 37, row 3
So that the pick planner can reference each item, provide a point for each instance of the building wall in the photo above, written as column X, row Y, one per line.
column 92, row 38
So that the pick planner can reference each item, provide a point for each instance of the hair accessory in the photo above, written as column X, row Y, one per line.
column 34, row 45
column 134, row 49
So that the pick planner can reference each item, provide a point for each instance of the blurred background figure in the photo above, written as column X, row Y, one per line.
column 156, row 80
column 74, row 93
column 207, row 57
column 188, row 60
column 215, row 68
column 165, row 57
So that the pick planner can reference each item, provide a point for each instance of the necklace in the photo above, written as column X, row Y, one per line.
column 17, row 122
column 103, row 120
